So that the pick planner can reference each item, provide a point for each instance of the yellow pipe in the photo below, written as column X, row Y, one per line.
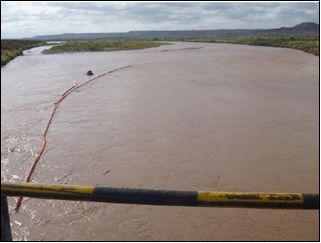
column 162, row 197
column 46, row 188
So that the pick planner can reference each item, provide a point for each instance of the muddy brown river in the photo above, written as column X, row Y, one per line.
column 186, row 116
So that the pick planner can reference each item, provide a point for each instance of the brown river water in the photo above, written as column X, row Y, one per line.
column 186, row 116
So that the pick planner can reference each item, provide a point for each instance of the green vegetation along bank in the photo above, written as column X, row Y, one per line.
column 13, row 48
column 307, row 44
column 102, row 45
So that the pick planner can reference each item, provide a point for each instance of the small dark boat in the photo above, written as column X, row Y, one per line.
column 90, row 72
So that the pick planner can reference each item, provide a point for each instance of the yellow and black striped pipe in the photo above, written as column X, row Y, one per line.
column 162, row 197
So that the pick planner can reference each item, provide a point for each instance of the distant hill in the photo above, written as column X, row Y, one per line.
column 307, row 29
column 303, row 29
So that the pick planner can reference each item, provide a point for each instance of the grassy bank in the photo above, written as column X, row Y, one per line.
column 102, row 45
column 13, row 48
column 307, row 44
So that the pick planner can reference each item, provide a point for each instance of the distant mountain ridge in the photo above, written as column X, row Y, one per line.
column 305, row 29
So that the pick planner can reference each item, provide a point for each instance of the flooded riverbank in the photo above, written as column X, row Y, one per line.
column 187, row 116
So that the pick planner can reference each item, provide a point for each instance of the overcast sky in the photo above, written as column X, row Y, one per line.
column 27, row 19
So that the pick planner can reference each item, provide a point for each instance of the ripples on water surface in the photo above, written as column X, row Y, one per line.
column 187, row 116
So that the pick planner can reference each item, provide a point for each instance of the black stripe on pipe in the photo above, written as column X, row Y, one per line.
column 311, row 201
column 145, row 196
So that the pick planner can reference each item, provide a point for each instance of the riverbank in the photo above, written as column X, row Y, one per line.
column 103, row 45
column 13, row 48
column 306, row 44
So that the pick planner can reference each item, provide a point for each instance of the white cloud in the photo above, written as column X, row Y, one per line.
column 27, row 19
